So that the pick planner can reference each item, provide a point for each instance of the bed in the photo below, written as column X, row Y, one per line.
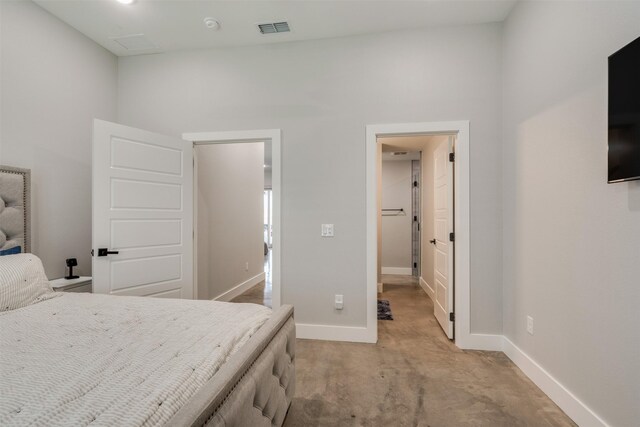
column 15, row 197
column 102, row 360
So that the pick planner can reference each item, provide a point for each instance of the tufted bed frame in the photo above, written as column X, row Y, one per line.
column 255, row 387
column 15, row 184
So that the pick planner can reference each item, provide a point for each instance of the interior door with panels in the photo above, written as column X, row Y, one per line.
column 443, row 226
column 142, row 213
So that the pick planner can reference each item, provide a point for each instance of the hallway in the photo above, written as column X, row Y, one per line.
column 260, row 293
column 413, row 376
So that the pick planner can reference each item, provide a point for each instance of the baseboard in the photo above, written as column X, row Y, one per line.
column 485, row 342
column 404, row 271
column 426, row 288
column 240, row 289
column 580, row 413
column 335, row 333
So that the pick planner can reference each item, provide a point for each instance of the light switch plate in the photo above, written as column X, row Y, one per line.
column 327, row 230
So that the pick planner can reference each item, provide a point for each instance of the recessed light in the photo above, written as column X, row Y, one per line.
column 125, row 1
column 212, row 24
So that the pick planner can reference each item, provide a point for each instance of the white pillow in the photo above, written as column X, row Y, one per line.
column 22, row 281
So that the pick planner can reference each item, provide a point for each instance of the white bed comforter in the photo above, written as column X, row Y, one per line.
column 99, row 360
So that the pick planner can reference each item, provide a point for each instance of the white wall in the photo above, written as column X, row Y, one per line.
column 571, row 242
column 230, row 216
column 396, row 227
column 322, row 94
column 54, row 81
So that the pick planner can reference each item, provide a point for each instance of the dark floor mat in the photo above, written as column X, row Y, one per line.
column 384, row 310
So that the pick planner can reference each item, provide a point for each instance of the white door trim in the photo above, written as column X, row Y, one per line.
column 230, row 137
column 463, row 336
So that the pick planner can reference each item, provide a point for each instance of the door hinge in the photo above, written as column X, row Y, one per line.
column 452, row 317
column 452, row 237
column 415, row 265
column 452, row 157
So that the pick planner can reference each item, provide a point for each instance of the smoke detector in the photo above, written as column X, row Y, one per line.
column 212, row 24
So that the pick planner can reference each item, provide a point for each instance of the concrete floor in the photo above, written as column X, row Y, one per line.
column 413, row 376
column 260, row 293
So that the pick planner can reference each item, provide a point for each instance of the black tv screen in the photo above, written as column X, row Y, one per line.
column 624, row 113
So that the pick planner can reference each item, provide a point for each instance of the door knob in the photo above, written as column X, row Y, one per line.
column 432, row 241
column 105, row 252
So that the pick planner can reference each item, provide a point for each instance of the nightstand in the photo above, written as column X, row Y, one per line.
column 81, row 284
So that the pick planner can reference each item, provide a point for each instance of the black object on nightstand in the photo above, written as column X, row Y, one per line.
column 71, row 262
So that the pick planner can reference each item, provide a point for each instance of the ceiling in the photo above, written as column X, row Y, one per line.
column 408, row 155
column 171, row 25
column 408, row 143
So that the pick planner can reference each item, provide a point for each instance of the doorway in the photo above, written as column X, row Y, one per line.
column 144, row 209
column 399, row 211
column 457, row 323
column 229, row 200
column 270, row 201
column 267, row 290
column 417, row 171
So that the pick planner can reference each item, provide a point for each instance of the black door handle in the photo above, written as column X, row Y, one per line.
column 432, row 241
column 105, row 252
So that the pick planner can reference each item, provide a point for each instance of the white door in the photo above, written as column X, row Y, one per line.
column 142, row 213
column 443, row 262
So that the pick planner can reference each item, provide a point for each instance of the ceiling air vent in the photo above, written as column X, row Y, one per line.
column 274, row 27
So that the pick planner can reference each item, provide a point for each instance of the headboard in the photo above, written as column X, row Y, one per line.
column 15, row 210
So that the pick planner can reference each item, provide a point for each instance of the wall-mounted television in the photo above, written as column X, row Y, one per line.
column 624, row 113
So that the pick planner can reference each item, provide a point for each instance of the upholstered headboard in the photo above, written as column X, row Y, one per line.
column 15, row 214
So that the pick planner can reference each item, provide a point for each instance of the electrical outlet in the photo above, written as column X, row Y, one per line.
column 339, row 304
column 530, row 325
column 246, row 266
column 327, row 230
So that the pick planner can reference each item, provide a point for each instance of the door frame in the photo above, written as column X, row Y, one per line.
column 246, row 136
column 462, row 327
column 269, row 217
